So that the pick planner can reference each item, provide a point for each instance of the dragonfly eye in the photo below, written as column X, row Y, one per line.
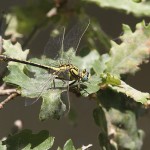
column 86, row 76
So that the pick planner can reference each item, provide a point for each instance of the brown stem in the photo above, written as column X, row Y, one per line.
column 7, row 91
column 10, row 97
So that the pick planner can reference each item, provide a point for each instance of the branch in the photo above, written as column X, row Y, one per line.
column 12, row 93
column 10, row 97
column 7, row 91
column 86, row 147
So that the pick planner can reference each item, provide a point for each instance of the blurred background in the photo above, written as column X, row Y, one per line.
column 84, row 130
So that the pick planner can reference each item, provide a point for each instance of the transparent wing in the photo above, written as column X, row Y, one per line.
column 46, row 84
column 54, row 43
column 50, row 82
column 63, row 42
column 74, row 36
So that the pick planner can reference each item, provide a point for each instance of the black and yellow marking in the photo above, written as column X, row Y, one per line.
column 74, row 72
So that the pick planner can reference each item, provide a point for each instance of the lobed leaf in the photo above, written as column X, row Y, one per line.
column 14, row 50
column 26, row 140
column 40, row 85
column 52, row 106
column 134, row 50
column 92, row 86
column 87, row 61
column 131, row 92
column 2, row 147
column 99, row 66
column 13, row 23
column 69, row 145
column 128, row 6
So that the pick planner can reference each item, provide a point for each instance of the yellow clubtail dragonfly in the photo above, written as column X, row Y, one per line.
column 74, row 74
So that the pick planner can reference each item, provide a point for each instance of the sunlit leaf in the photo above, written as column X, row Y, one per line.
column 131, row 92
column 87, row 61
column 110, row 79
column 38, row 85
column 69, row 145
column 134, row 50
column 92, row 86
column 2, row 147
column 12, row 27
column 99, row 65
column 52, row 106
column 128, row 6
column 14, row 50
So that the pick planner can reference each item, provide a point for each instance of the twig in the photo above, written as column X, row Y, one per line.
column 10, row 97
column 7, row 91
column 2, row 87
column 10, row 92
column 86, row 147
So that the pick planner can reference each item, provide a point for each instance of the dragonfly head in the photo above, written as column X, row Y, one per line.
column 85, row 75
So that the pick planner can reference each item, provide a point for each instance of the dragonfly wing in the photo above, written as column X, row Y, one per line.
column 74, row 36
column 54, row 44
column 44, row 87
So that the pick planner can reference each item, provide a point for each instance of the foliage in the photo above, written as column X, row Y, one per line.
column 117, row 102
column 128, row 6
column 26, row 140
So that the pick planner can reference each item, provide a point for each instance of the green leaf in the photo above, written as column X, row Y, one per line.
column 40, row 85
column 52, row 106
column 12, row 27
column 131, row 92
column 110, row 79
column 2, row 147
column 100, row 119
column 59, row 148
column 114, row 118
column 14, row 50
column 134, row 50
column 26, row 140
column 91, row 86
column 28, row 86
column 69, row 145
column 87, row 61
column 128, row 6
column 100, row 66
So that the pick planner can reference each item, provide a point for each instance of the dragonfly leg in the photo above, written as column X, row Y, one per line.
column 72, row 83
column 78, row 85
column 54, row 83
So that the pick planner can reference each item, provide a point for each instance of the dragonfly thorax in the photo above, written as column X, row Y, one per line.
column 77, row 74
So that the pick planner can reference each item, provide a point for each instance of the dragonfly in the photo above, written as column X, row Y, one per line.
column 62, row 43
